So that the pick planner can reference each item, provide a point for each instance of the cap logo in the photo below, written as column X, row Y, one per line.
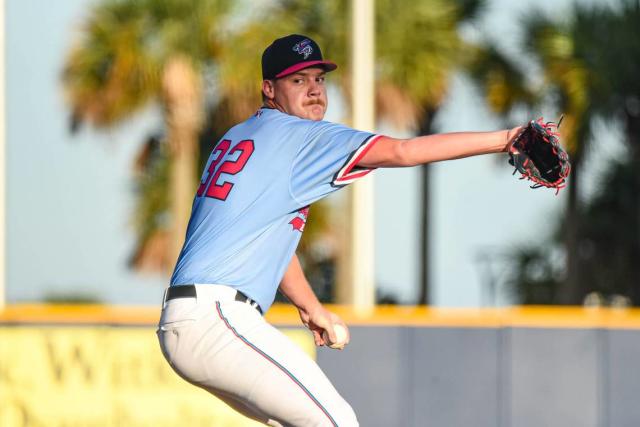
column 303, row 48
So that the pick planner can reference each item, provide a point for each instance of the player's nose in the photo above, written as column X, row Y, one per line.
column 314, row 89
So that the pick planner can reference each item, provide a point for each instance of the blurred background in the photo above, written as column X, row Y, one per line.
column 111, row 107
column 95, row 139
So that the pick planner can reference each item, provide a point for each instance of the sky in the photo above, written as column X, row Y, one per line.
column 70, row 197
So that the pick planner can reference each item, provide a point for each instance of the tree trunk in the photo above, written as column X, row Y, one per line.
column 426, row 128
column 424, row 235
column 570, row 292
column 633, row 139
column 182, row 96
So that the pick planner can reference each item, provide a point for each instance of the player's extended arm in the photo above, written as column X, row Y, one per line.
column 296, row 288
column 392, row 152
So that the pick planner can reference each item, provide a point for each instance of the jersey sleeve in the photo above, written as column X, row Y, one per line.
column 327, row 160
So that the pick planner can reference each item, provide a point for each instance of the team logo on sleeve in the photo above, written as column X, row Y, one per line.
column 300, row 220
column 303, row 48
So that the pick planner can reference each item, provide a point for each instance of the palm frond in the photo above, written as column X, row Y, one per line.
column 109, row 73
column 502, row 81
column 565, row 75
column 471, row 10
column 418, row 60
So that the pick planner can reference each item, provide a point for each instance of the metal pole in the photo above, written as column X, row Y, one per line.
column 359, row 289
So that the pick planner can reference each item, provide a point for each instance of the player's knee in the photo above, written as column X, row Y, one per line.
column 349, row 418
column 342, row 416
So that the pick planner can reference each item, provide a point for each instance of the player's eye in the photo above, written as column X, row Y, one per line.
column 320, row 79
column 297, row 81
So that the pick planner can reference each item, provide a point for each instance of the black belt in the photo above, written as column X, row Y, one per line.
column 189, row 291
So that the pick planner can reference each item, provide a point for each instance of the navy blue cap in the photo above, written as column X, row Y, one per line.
column 292, row 53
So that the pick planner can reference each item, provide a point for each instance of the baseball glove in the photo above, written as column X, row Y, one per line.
column 537, row 155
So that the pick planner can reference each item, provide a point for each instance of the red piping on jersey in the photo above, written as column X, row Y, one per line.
column 352, row 164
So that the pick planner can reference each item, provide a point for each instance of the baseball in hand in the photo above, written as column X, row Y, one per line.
column 341, row 337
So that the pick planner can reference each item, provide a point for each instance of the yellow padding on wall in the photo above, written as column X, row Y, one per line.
column 98, row 376
column 282, row 314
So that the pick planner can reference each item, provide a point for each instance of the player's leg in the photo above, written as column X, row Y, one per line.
column 235, row 354
column 244, row 408
column 178, row 318
column 287, row 384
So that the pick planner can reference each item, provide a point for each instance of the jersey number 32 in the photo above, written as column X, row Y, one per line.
column 210, row 180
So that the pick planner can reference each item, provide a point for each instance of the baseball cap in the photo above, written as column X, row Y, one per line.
column 292, row 53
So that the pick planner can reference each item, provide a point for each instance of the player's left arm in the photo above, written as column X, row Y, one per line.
column 392, row 152
column 296, row 288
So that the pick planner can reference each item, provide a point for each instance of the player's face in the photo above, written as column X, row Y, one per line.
column 302, row 94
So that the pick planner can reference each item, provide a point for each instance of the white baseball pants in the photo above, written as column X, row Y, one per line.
column 227, row 348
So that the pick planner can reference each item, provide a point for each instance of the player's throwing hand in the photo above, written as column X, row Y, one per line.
column 320, row 320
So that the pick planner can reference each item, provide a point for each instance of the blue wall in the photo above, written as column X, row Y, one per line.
column 489, row 377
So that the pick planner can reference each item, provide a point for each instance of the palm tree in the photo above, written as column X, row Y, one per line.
column 601, row 35
column 567, row 78
column 506, row 88
column 413, row 65
column 586, row 80
column 608, row 264
column 583, row 70
column 133, row 52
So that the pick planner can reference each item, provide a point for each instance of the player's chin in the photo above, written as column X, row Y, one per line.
column 315, row 112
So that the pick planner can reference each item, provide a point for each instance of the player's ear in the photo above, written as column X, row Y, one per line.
column 268, row 89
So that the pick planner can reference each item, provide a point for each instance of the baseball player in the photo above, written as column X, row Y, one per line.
column 247, row 218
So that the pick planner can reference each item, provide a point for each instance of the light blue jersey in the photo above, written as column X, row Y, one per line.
column 252, row 204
